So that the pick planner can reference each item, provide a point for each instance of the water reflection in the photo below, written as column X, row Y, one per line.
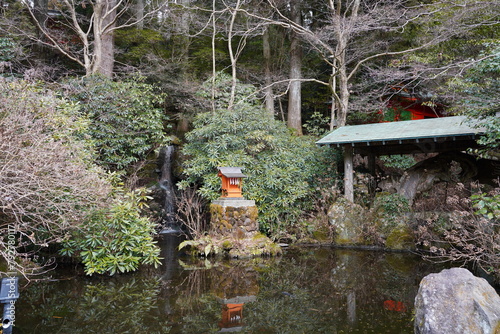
column 316, row 290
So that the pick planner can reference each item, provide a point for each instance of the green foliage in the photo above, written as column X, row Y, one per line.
column 277, row 163
column 7, row 49
column 316, row 125
column 392, row 209
column 396, row 114
column 392, row 204
column 125, row 122
column 398, row 161
column 116, row 239
column 204, row 246
column 138, row 44
column 487, row 205
column 479, row 89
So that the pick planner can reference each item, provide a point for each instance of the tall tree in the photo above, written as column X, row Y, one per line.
column 351, row 34
column 268, row 90
column 104, row 23
column 294, row 119
column 86, row 35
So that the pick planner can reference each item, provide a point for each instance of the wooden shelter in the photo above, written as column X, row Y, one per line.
column 443, row 134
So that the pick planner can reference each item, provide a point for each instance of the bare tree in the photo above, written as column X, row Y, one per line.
column 351, row 34
column 191, row 211
column 294, row 119
column 87, row 40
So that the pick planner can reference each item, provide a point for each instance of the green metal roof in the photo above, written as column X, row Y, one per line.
column 380, row 133
column 231, row 171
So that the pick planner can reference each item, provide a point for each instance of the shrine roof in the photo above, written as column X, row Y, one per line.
column 231, row 171
column 444, row 128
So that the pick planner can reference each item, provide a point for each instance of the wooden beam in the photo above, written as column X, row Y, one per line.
column 372, row 186
column 348, row 173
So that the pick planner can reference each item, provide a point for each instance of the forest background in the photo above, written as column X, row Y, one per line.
column 93, row 90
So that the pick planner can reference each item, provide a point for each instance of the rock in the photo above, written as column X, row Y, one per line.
column 456, row 302
column 400, row 238
column 447, row 167
column 347, row 218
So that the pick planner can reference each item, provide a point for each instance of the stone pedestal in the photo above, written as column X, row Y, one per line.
column 234, row 216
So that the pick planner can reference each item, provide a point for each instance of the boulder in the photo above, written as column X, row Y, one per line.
column 445, row 167
column 456, row 302
column 347, row 219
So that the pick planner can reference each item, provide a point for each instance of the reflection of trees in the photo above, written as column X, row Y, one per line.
column 331, row 291
column 121, row 305
column 304, row 291
column 293, row 298
column 335, row 291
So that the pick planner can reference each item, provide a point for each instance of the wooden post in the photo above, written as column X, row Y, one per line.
column 372, row 186
column 348, row 173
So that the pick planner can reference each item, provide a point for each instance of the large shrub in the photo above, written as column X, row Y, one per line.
column 51, row 190
column 48, row 183
column 278, row 164
column 126, row 122
column 115, row 239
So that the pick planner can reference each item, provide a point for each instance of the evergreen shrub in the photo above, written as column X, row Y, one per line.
column 279, row 165
column 115, row 239
column 125, row 120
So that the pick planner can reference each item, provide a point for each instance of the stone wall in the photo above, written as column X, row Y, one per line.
column 231, row 217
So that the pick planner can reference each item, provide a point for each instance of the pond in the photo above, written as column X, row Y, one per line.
column 306, row 290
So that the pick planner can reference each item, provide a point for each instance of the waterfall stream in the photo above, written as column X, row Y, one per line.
column 166, row 183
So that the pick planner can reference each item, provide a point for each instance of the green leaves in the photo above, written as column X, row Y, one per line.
column 117, row 239
column 479, row 91
column 125, row 120
column 279, row 165
column 7, row 49
column 487, row 205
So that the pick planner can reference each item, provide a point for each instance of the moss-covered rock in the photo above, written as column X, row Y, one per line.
column 233, row 232
column 401, row 237
column 347, row 219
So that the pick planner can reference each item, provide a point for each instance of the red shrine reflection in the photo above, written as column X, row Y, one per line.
column 234, row 287
column 232, row 315
column 392, row 305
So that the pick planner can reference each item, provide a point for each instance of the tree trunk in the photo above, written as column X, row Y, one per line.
column 139, row 14
column 343, row 35
column 232, row 56
column 294, row 120
column 333, row 85
column 344, row 94
column 104, row 21
column 40, row 11
column 268, row 91
column 181, row 40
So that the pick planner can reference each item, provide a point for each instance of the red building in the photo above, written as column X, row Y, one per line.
column 405, row 107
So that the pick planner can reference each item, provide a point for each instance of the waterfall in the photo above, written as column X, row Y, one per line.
column 166, row 183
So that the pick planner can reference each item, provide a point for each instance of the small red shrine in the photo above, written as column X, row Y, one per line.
column 231, row 178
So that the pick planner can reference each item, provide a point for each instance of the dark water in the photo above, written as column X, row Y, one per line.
column 307, row 290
